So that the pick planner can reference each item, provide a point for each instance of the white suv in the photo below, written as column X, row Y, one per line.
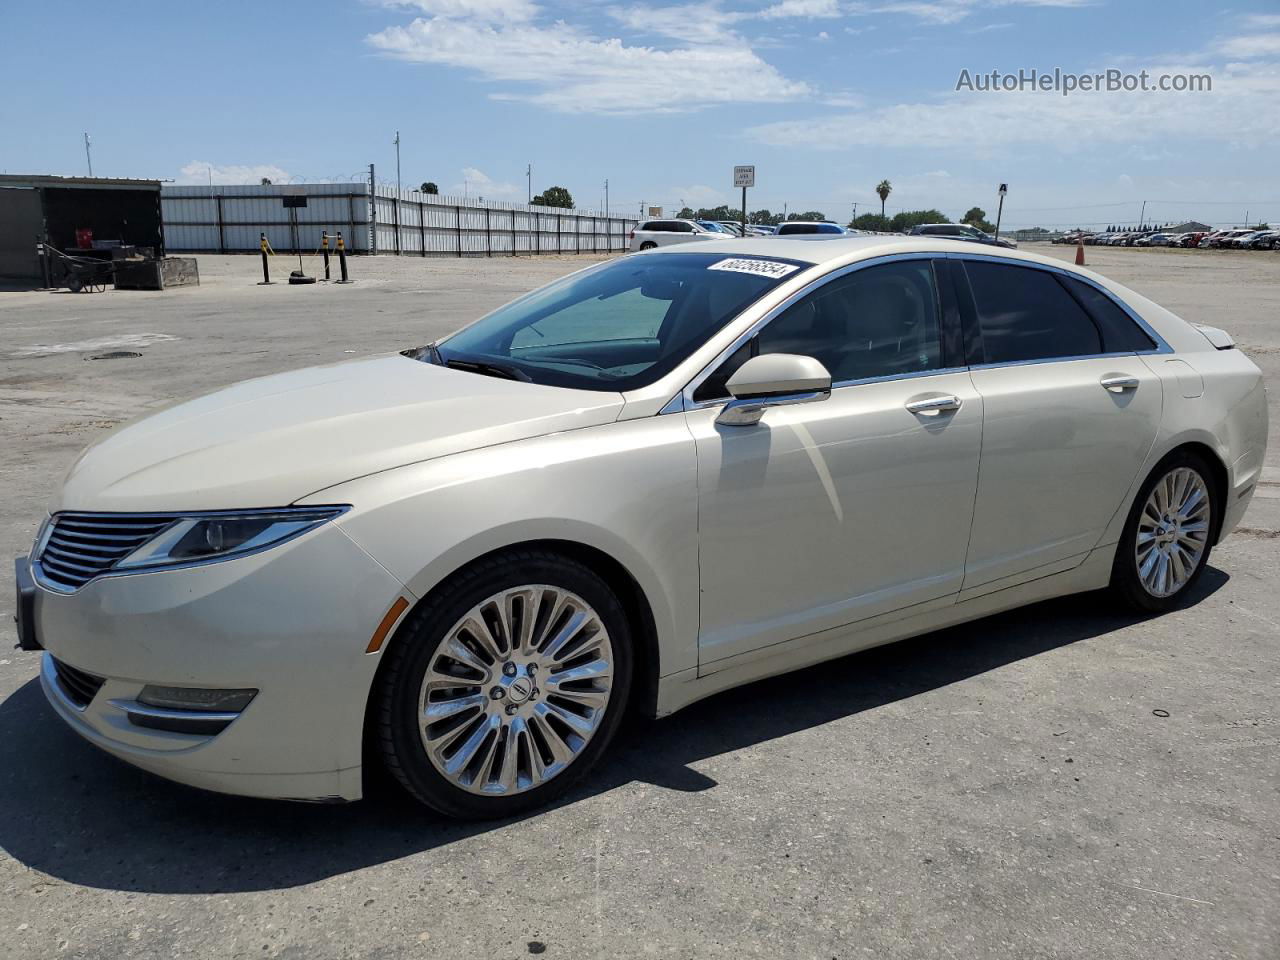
column 661, row 233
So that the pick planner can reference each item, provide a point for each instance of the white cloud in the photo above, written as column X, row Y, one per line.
column 813, row 9
column 225, row 175
column 697, row 195
column 953, row 11
column 1240, row 109
column 486, row 10
column 565, row 68
column 477, row 183
column 1248, row 47
column 699, row 58
column 702, row 22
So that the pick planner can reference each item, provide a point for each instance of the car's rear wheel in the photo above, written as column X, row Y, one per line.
column 506, row 686
column 1168, row 536
column 648, row 245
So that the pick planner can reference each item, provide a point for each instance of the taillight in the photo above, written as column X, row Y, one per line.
column 631, row 235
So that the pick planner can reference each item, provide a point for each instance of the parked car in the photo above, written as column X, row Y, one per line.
column 1192, row 239
column 1255, row 240
column 960, row 231
column 1223, row 238
column 662, row 233
column 796, row 227
column 646, row 482
column 717, row 228
column 733, row 226
column 1153, row 240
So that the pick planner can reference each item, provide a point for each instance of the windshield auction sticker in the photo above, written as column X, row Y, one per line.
column 760, row 268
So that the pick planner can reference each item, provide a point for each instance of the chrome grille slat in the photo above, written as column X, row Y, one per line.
column 67, row 548
column 82, row 546
column 71, row 565
column 105, row 538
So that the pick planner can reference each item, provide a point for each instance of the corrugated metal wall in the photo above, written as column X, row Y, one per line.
column 230, row 219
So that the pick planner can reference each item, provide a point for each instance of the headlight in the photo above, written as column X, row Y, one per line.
column 207, row 538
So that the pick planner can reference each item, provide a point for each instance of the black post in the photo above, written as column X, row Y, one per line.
column 222, row 237
column 324, row 245
column 342, row 259
column 44, row 262
column 266, row 272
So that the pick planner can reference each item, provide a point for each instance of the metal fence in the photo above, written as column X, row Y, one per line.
column 409, row 223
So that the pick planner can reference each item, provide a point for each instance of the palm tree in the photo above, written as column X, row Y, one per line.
column 883, row 189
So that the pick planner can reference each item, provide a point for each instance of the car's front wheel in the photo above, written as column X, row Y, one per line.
column 1168, row 535
column 506, row 686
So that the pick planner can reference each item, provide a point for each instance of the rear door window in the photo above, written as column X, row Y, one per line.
column 1025, row 314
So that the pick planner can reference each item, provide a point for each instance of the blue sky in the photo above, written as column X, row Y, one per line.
column 825, row 97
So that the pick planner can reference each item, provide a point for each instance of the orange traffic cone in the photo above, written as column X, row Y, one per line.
column 1079, row 253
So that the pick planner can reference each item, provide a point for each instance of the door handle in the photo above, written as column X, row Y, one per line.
column 1119, row 383
column 932, row 406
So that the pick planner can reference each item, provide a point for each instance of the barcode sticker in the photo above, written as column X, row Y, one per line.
column 760, row 268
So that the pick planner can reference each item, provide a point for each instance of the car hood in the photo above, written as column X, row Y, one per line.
column 269, row 442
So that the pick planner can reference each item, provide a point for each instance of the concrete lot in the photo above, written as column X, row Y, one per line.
column 1003, row 789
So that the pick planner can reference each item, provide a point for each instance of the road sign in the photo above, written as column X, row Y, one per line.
column 744, row 176
column 655, row 211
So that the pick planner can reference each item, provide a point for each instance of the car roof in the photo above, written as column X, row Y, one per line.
column 816, row 248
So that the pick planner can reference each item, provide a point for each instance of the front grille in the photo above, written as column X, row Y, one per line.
column 82, row 545
column 80, row 687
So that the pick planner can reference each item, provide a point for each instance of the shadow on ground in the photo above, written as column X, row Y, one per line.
column 83, row 817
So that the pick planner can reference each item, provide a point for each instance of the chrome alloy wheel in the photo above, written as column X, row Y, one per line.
column 516, row 690
column 1173, row 532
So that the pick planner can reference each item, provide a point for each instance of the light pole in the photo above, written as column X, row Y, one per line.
column 87, row 155
column 528, row 175
column 397, row 142
column 1004, row 188
column 606, row 198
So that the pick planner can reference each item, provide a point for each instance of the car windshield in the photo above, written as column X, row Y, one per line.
column 618, row 326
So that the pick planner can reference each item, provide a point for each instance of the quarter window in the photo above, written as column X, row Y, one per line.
column 1025, row 314
column 876, row 322
column 1119, row 333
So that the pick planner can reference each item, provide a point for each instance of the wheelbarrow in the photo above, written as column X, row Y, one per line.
column 84, row 274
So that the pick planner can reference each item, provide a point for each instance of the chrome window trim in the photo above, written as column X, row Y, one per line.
column 684, row 399
column 1161, row 346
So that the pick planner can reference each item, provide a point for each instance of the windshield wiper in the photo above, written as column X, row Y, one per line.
column 488, row 369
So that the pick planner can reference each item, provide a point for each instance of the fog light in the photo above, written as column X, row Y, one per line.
column 196, row 698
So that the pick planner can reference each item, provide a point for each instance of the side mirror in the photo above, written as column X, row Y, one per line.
column 772, row 380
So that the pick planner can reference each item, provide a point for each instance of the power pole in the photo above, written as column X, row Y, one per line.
column 606, row 198
column 87, row 155
column 1142, row 217
column 528, row 174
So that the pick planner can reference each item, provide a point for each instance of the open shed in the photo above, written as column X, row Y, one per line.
column 75, row 215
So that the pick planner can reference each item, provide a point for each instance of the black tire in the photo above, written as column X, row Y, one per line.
column 1126, row 583
column 400, row 680
column 648, row 245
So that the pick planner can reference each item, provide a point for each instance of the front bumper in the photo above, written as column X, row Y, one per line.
column 292, row 623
